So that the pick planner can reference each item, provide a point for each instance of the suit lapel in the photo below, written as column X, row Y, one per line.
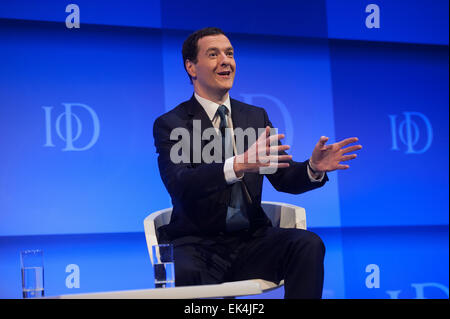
column 196, row 112
column 238, row 116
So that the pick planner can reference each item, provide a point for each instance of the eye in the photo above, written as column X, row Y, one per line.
column 212, row 54
column 230, row 53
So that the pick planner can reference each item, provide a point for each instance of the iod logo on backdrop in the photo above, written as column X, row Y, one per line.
column 72, row 128
column 414, row 131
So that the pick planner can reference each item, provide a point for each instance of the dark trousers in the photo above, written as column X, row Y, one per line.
column 270, row 253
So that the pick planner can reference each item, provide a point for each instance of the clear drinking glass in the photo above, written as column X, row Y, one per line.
column 32, row 267
column 163, row 266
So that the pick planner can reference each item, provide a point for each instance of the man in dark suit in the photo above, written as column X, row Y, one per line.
column 218, row 228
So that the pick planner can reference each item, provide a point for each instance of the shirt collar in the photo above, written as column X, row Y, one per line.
column 211, row 107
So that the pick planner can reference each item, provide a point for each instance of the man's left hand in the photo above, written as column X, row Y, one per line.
column 327, row 158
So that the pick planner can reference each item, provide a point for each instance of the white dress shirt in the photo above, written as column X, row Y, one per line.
column 228, row 168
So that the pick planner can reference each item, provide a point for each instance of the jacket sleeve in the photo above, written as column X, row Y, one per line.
column 294, row 179
column 185, row 181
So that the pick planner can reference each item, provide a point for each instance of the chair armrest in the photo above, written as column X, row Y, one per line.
column 151, row 223
column 285, row 215
column 293, row 218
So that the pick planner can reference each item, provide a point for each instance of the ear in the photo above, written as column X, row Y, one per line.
column 190, row 67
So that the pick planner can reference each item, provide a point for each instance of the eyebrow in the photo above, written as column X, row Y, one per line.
column 217, row 49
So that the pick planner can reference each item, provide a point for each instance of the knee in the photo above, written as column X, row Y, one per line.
column 312, row 242
column 317, row 242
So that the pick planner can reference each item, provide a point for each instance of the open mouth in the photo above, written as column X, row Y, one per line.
column 224, row 74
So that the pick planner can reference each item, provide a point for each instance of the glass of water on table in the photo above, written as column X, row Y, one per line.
column 163, row 266
column 32, row 266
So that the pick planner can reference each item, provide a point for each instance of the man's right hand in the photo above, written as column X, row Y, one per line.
column 263, row 153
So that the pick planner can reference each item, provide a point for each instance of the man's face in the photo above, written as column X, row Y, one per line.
column 215, row 67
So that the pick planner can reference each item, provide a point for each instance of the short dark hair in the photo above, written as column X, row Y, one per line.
column 190, row 45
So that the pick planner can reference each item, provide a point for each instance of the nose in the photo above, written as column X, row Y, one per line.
column 224, row 59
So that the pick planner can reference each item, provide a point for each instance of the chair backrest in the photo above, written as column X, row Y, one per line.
column 280, row 214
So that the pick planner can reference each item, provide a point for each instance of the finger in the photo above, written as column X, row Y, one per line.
column 323, row 140
column 270, row 166
column 274, row 166
column 278, row 148
column 325, row 147
column 273, row 139
column 275, row 158
column 261, row 142
column 279, row 165
column 347, row 157
column 280, row 158
column 275, row 149
column 342, row 166
column 347, row 141
column 351, row 149
column 264, row 134
column 267, row 132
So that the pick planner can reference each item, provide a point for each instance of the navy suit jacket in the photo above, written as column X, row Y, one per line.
column 199, row 191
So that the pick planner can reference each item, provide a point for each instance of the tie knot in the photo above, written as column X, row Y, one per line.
column 222, row 110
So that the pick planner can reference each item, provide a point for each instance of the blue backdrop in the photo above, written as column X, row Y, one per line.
column 77, row 106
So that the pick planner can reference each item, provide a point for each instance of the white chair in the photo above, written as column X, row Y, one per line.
column 281, row 215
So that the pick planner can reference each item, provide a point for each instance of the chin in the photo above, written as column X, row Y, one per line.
column 226, row 86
